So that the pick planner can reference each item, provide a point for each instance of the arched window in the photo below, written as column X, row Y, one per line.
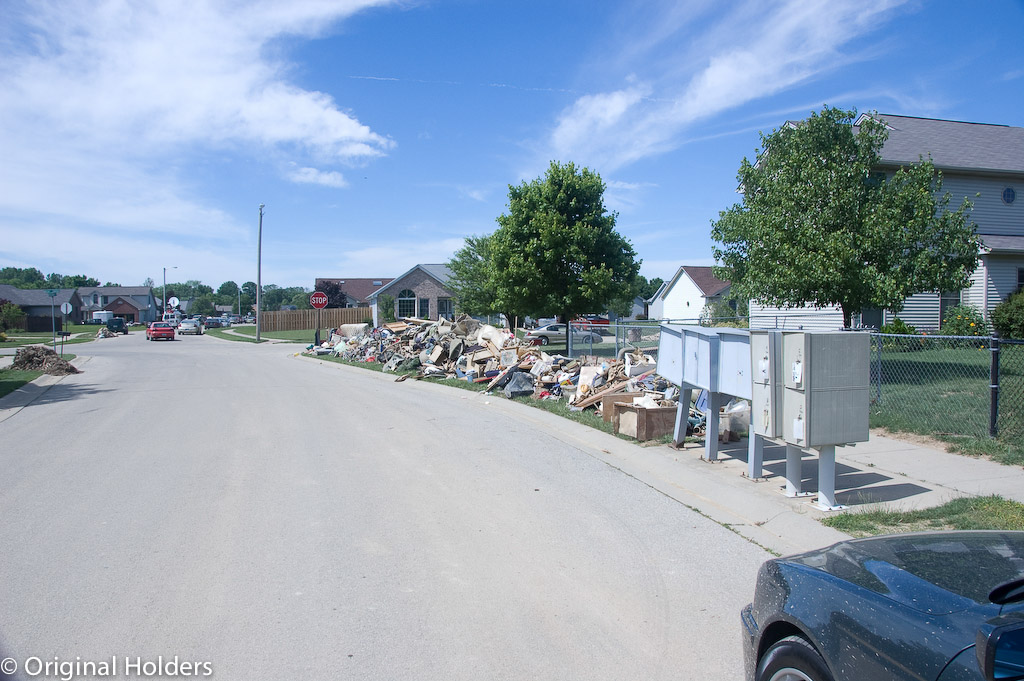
column 406, row 303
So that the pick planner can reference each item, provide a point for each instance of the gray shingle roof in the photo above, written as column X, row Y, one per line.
column 84, row 291
column 34, row 297
column 953, row 145
column 1001, row 243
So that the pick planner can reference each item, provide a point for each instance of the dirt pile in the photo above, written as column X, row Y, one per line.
column 38, row 358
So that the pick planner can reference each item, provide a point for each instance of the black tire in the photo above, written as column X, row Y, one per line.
column 543, row 340
column 792, row 659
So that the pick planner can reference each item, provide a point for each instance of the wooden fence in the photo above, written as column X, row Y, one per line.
column 297, row 320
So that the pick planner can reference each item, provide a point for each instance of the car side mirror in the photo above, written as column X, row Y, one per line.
column 999, row 647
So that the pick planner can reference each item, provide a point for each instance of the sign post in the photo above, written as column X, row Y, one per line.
column 52, row 292
column 65, row 308
column 318, row 300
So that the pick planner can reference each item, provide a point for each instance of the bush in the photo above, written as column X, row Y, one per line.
column 899, row 327
column 963, row 320
column 11, row 316
column 1008, row 316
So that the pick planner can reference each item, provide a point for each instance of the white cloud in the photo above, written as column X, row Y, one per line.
column 314, row 176
column 104, row 101
column 367, row 261
column 758, row 50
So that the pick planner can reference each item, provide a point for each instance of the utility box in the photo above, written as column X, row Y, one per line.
column 766, row 383
column 826, row 387
column 716, row 360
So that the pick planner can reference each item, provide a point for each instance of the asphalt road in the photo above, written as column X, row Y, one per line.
column 273, row 517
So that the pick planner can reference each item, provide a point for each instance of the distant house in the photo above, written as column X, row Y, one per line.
column 133, row 303
column 421, row 292
column 982, row 162
column 42, row 312
column 357, row 291
column 684, row 296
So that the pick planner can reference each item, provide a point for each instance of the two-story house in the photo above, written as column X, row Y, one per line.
column 134, row 303
column 981, row 162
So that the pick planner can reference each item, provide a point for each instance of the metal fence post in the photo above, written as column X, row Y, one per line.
column 878, row 370
column 993, row 412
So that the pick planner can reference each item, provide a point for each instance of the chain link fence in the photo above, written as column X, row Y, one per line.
column 943, row 385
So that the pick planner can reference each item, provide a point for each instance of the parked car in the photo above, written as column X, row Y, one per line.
column 213, row 323
column 117, row 325
column 225, row 321
column 190, row 326
column 160, row 330
column 555, row 333
column 935, row 605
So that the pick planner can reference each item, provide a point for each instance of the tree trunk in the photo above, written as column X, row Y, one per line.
column 847, row 316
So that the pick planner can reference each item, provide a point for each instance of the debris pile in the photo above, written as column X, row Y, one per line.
column 466, row 350
column 38, row 358
column 104, row 332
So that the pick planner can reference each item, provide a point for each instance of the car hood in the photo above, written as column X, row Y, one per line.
column 935, row 572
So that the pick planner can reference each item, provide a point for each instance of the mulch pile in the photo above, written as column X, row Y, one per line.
column 38, row 358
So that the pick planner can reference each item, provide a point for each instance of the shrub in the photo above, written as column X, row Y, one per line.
column 899, row 327
column 1008, row 316
column 963, row 320
column 11, row 316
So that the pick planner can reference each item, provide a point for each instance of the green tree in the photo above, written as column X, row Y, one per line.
column 11, row 316
column 819, row 225
column 28, row 277
column 1008, row 317
column 386, row 308
column 556, row 251
column 476, row 283
column 202, row 305
column 335, row 295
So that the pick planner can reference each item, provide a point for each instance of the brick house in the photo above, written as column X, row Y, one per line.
column 421, row 292
column 357, row 291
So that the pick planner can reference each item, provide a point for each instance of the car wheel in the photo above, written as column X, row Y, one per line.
column 792, row 659
column 543, row 340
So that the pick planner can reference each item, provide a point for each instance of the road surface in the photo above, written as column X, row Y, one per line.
column 242, row 513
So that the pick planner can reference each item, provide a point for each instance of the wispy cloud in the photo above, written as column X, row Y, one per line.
column 758, row 50
column 314, row 176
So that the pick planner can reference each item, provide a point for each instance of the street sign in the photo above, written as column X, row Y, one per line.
column 318, row 300
column 65, row 308
column 52, row 292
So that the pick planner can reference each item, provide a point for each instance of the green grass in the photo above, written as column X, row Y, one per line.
column 975, row 513
column 12, row 379
column 944, row 393
column 222, row 333
column 300, row 336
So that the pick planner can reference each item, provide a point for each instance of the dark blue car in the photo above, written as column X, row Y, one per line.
column 936, row 606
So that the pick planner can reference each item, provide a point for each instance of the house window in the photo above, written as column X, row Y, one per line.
column 406, row 303
column 947, row 299
column 424, row 308
column 445, row 310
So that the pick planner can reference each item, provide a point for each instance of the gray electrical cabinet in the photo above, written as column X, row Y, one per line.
column 766, row 378
column 825, row 394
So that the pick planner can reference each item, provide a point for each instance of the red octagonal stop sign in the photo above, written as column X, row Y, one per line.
column 318, row 300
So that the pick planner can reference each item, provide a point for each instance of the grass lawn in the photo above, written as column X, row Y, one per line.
column 12, row 379
column 301, row 336
column 977, row 513
column 221, row 333
column 944, row 394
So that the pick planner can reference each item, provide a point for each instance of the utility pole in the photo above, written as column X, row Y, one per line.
column 259, row 273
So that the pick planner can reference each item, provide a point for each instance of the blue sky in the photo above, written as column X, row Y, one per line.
column 141, row 135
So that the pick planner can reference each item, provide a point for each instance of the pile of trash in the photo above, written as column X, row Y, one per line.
column 467, row 350
column 38, row 358
column 104, row 332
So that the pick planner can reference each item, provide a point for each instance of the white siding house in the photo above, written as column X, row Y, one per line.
column 682, row 298
column 981, row 162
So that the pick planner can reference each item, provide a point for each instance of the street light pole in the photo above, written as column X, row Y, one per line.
column 259, row 280
column 164, row 311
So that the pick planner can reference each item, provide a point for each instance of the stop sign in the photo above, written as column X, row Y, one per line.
column 318, row 300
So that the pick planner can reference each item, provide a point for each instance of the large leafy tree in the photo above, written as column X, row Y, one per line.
column 556, row 251
column 336, row 296
column 820, row 225
column 475, row 281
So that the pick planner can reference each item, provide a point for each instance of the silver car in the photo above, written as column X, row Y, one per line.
column 191, row 326
column 555, row 333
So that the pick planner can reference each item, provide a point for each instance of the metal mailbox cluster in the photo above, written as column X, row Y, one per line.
column 807, row 389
